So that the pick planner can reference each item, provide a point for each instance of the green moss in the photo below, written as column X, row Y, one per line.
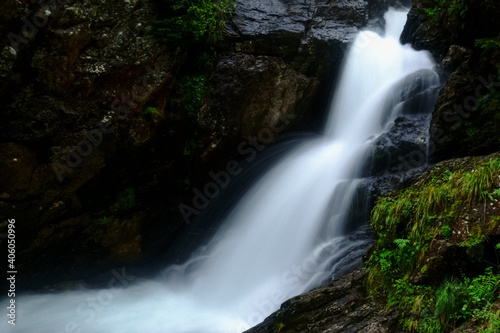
column 188, row 21
column 152, row 113
column 193, row 88
column 488, row 44
column 434, row 11
column 413, row 215
column 456, row 10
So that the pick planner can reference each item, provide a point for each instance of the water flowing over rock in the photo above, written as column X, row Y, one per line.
column 70, row 71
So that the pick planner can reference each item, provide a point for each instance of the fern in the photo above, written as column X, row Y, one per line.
column 401, row 243
column 450, row 298
column 482, row 289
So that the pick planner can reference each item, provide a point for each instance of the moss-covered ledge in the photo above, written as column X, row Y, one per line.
column 437, row 255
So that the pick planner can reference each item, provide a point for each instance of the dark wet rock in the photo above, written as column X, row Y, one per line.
column 405, row 145
column 342, row 306
column 72, row 94
column 253, row 93
column 311, row 35
column 460, row 125
column 449, row 26
column 402, row 147
column 456, row 57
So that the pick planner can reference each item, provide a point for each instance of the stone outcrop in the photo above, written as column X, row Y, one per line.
column 279, row 58
column 342, row 306
column 462, row 125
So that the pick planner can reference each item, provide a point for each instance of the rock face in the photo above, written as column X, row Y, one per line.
column 405, row 145
column 463, row 116
column 252, row 93
column 278, row 58
column 342, row 306
column 74, row 81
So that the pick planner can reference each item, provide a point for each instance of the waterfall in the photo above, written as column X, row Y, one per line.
column 285, row 235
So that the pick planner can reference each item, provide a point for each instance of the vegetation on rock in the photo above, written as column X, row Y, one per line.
column 433, row 257
column 193, row 20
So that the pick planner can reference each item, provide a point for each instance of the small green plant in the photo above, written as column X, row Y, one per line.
column 103, row 221
column 473, row 240
column 450, row 298
column 482, row 290
column 151, row 112
column 474, row 245
column 125, row 200
column 429, row 324
column 459, row 8
column 433, row 12
column 446, row 231
column 488, row 44
column 493, row 322
column 194, row 20
column 447, row 175
column 190, row 91
column 190, row 147
column 278, row 327
column 194, row 89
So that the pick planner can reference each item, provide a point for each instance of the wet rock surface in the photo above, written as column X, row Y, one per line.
column 342, row 306
column 460, row 125
column 403, row 147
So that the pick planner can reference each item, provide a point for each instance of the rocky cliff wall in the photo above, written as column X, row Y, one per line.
column 463, row 36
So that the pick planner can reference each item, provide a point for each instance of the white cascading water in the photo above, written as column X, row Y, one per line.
column 280, row 239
